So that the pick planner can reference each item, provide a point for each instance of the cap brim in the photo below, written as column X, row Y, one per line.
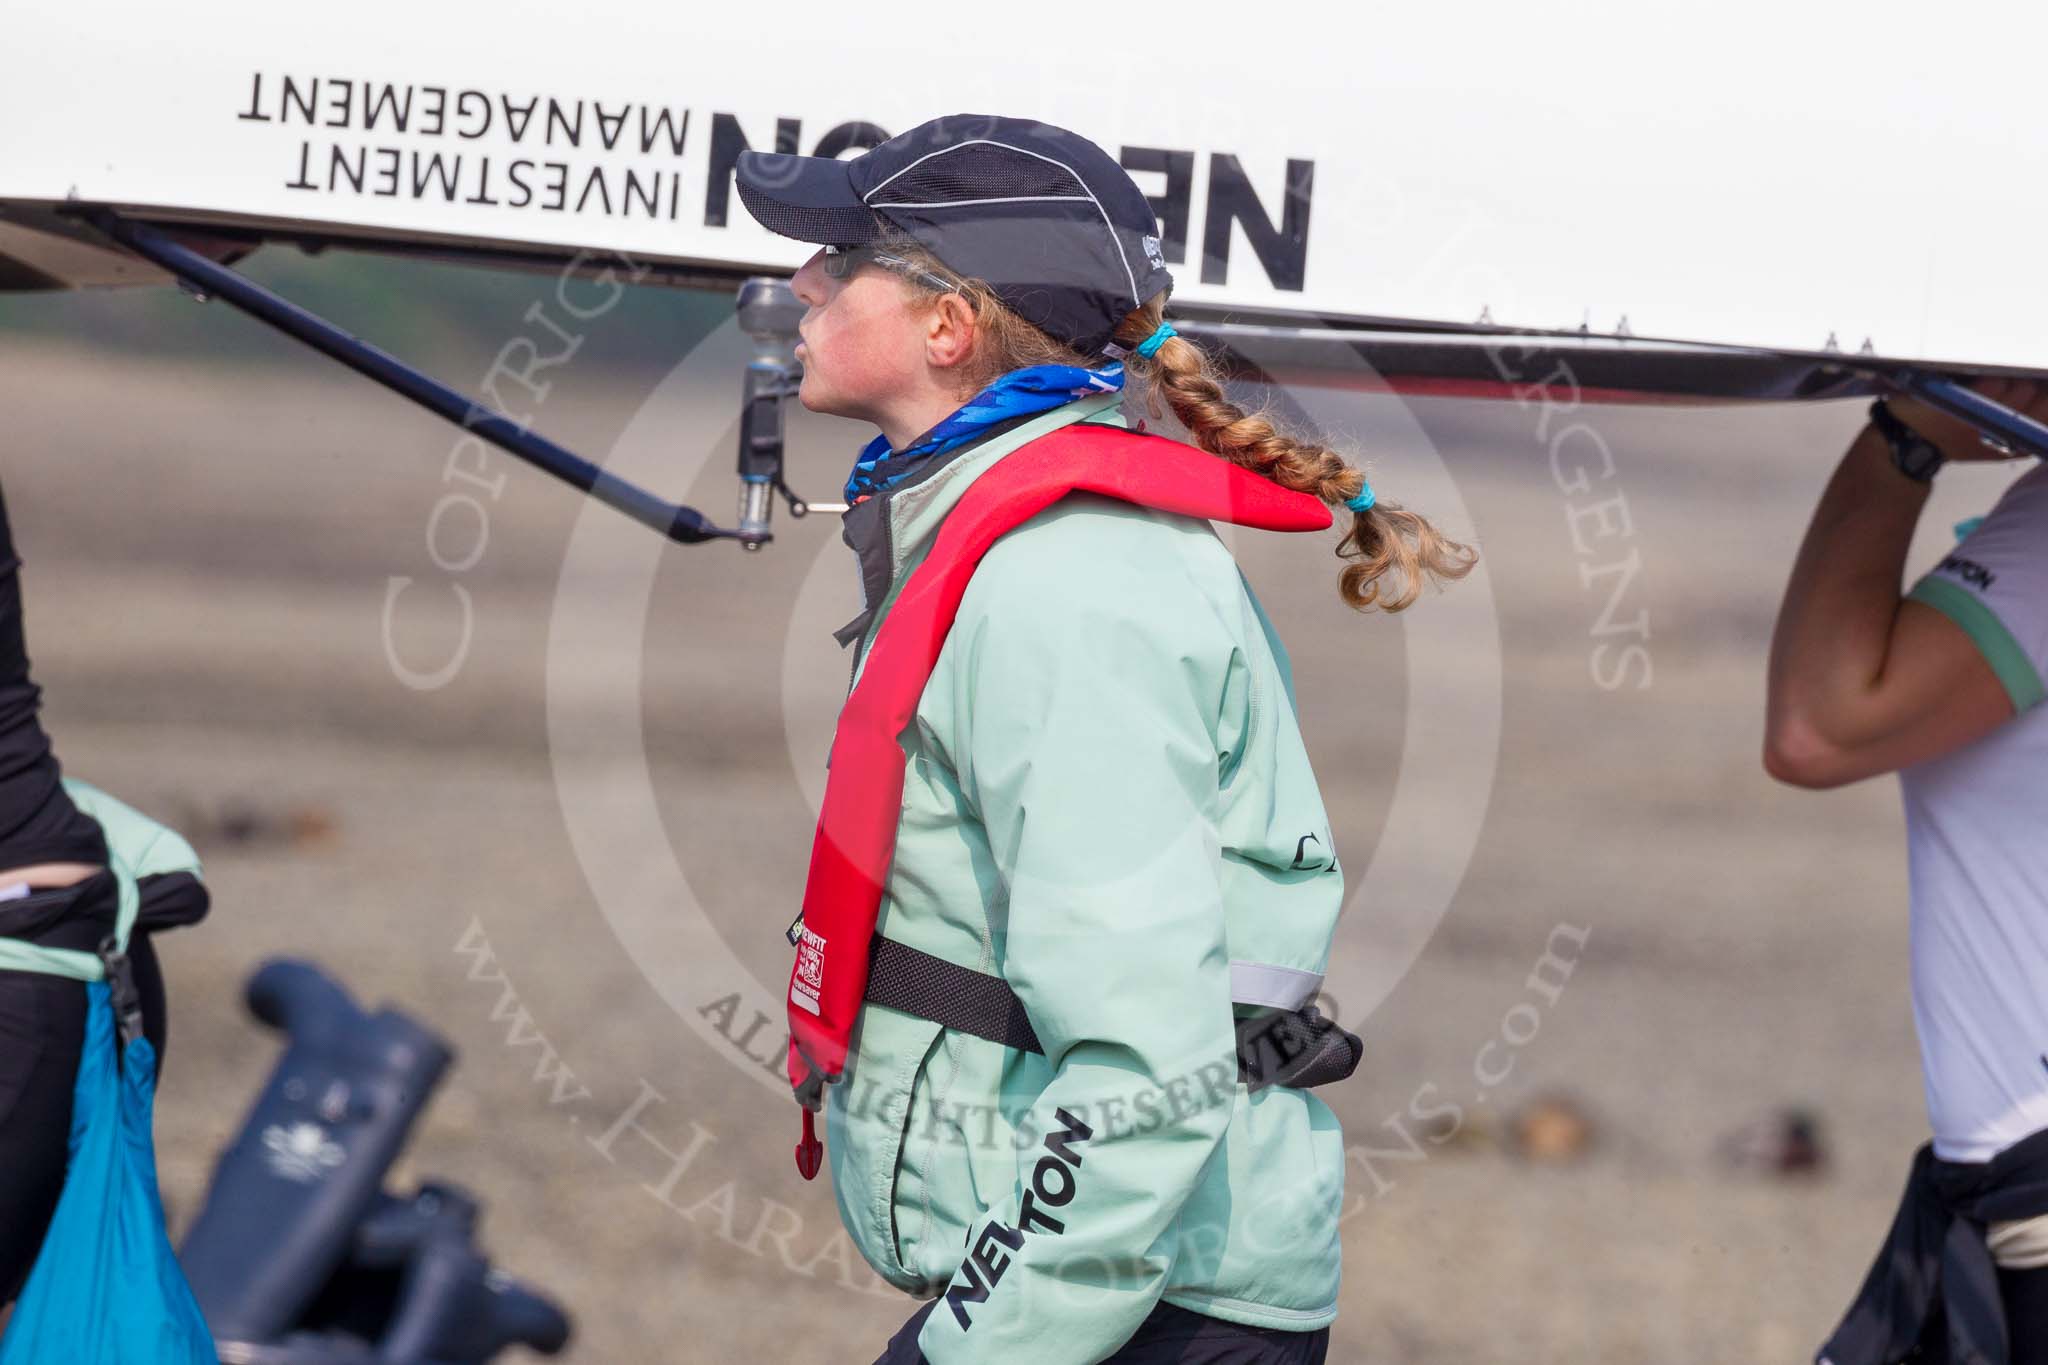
column 810, row 198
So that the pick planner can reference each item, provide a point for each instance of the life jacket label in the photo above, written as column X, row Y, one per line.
column 808, row 981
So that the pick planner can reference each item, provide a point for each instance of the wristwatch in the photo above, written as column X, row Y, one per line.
column 1913, row 455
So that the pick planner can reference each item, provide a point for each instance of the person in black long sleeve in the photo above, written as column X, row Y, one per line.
column 56, row 891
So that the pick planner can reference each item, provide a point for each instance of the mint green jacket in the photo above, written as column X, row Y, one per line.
column 1106, row 802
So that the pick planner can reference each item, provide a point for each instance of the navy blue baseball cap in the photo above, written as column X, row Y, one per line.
column 1043, row 216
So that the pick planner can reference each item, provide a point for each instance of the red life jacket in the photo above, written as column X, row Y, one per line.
column 856, row 836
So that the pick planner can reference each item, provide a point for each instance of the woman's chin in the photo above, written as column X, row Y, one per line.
column 820, row 400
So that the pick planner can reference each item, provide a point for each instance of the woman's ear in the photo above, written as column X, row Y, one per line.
column 949, row 332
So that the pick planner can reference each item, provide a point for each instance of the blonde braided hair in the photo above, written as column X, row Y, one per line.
column 1391, row 550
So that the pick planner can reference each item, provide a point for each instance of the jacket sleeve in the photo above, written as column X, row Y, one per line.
column 1086, row 741
column 139, row 844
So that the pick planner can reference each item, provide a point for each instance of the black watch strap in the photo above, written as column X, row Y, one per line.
column 1913, row 455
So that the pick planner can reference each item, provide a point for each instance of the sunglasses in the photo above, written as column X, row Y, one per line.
column 840, row 262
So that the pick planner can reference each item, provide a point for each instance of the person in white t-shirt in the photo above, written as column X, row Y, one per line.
column 1943, row 685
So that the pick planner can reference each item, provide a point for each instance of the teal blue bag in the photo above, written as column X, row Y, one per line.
column 107, row 1288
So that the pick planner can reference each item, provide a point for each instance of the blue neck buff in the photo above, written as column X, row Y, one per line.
column 1038, row 388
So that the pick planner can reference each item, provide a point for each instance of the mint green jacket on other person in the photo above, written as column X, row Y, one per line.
column 137, row 847
column 1107, row 802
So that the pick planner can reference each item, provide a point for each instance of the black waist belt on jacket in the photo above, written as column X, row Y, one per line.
column 1936, row 1251
column 1294, row 1048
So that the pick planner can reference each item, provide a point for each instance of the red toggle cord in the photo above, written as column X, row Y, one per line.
column 810, row 1153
